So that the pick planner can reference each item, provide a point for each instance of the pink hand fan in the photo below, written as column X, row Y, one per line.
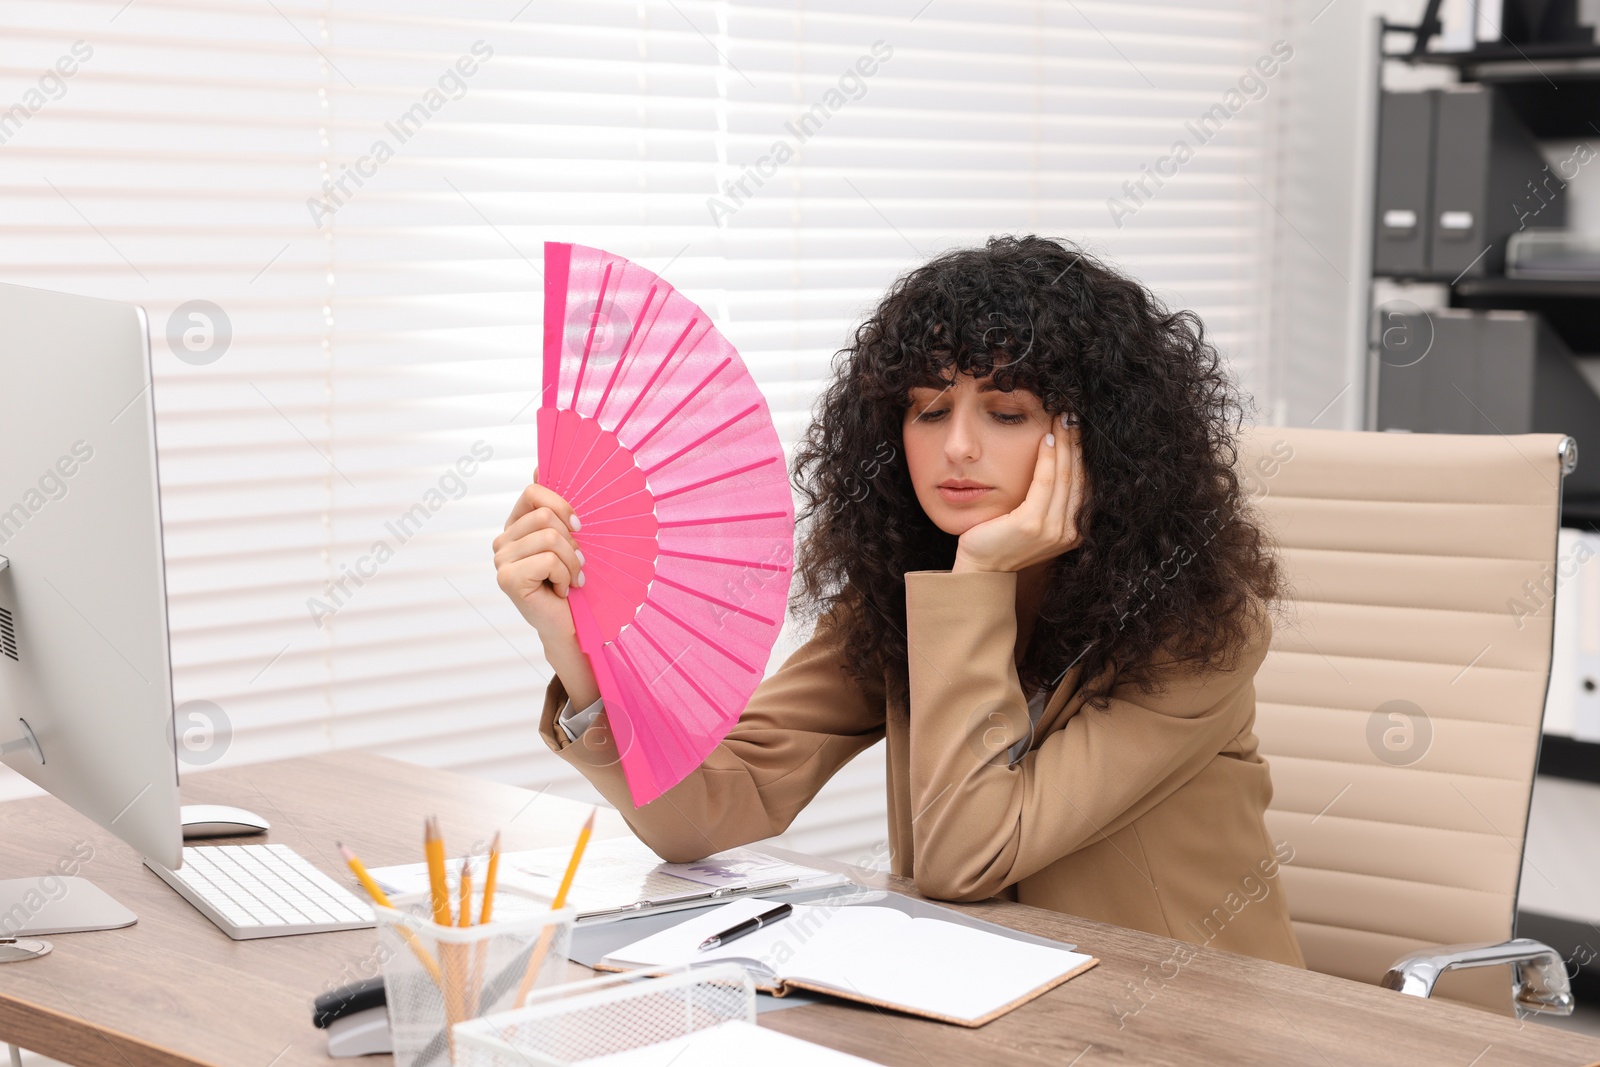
column 652, row 429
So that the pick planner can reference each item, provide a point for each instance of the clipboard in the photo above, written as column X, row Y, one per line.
column 621, row 878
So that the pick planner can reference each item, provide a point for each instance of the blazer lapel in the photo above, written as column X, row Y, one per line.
column 1057, row 703
column 1056, row 709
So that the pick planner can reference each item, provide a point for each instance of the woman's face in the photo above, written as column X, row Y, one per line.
column 971, row 433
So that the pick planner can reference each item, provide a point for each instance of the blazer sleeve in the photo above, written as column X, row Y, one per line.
column 986, row 823
column 800, row 726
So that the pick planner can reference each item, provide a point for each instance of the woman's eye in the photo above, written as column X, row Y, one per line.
column 999, row 416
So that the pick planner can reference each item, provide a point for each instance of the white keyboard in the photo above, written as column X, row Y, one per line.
column 263, row 891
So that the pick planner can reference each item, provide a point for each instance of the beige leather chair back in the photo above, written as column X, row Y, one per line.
column 1400, row 710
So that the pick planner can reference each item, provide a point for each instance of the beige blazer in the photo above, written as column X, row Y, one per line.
column 1146, row 815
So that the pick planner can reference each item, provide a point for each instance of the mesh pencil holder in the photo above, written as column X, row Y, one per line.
column 435, row 976
column 613, row 1013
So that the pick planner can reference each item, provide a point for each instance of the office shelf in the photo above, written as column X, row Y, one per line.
column 1568, row 306
column 1567, row 757
column 1509, row 54
column 1581, row 511
column 1554, row 89
column 1527, row 288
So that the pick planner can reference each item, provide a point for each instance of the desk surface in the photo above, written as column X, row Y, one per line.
column 173, row 989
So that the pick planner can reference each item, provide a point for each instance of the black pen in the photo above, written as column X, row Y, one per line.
column 749, row 926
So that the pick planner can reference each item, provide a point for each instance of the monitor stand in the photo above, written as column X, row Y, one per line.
column 31, row 907
column 25, row 743
column 17, row 949
column 54, row 904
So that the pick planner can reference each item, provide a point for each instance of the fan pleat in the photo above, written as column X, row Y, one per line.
column 628, row 544
column 594, row 324
column 566, row 428
column 599, row 488
column 754, row 564
column 702, row 439
column 683, row 339
column 632, row 504
column 712, row 519
column 640, row 337
column 639, row 333
column 711, row 642
column 718, row 477
column 700, row 711
column 679, row 406
column 582, row 465
column 633, row 568
column 743, row 635
column 664, row 744
column 639, row 754
column 709, row 599
column 613, row 591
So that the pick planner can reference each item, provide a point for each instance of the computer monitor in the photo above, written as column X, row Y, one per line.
column 85, row 677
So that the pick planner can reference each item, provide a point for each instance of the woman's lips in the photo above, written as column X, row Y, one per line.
column 958, row 496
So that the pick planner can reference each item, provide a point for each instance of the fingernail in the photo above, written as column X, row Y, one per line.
column 1050, row 439
column 580, row 578
column 579, row 551
column 576, row 525
column 1064, row 420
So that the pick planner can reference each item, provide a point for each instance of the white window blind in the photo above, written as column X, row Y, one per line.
column 361, row 190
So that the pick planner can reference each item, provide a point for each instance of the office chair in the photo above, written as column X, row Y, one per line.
column 1400, row 707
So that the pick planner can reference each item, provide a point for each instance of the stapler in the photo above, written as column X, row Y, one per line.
column 356, row 1017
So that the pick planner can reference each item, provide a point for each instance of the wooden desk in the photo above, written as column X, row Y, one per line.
column 173, row 989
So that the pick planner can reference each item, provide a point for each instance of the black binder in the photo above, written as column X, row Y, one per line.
column 1405, row 183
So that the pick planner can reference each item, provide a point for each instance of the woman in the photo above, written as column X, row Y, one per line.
column 1035, row 575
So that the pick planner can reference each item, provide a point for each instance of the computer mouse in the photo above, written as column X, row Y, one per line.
column 219, row 820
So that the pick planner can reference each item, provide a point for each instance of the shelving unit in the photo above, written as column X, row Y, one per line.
column 1554, row 90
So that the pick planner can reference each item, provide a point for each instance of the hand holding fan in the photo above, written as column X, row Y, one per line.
column 652, row 429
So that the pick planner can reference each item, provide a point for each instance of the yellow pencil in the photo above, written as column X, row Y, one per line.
column 374, row 890
column 466, row 892
column 489, row 878
column 454, row 987
column 381, row 898
column 433, row 848
column 572, row 864
column 536, row 958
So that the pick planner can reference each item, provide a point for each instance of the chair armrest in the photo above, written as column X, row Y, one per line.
column 1539, row 974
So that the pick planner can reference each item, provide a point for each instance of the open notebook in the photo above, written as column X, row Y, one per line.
column 870, row 954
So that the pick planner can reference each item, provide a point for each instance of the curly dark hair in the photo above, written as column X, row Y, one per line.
column 1171, row 556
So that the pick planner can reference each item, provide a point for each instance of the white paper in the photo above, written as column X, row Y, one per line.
column 736, row 867
column 614, row 873
column 881, row 954
column 951, row 970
